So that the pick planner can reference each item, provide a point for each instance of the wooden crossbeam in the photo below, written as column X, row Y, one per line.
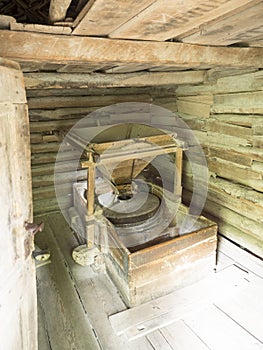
column 36, row 47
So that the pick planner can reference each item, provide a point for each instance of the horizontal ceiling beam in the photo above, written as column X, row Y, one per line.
column 62, row 49
column 42, row 81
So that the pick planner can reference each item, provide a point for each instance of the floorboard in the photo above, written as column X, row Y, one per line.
column 181, row 337
column 219, row 331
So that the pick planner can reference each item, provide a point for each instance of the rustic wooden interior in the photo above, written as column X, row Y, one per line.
column 203, row 61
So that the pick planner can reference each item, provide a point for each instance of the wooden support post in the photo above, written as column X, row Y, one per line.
column 90, row 202
column 178, row 173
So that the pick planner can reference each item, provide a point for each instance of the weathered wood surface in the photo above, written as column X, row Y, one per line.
column 97, row 299
column 39, row 28
column 237, row 27
column 58, row 10
column 35, row 47
column 43, row 81
column 167, row 310
column 5, row 21
column 165, row 19
column 101, row 18
column 140, row 275
column 18, row 312
column 231, row 136
column 48, row 127
column 83, row 101
column 224, row 333
column 60, row 302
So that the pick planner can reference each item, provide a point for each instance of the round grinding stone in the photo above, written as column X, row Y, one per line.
column 132, row 209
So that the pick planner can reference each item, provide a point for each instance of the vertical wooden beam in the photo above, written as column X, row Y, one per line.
column 178, row 173
column 90, row 201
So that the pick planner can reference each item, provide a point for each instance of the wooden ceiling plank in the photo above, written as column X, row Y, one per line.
column 167, row 19
column 240, row 27
column 128, row 68
column 104, row 16
column 35, row 81
column 65, row 49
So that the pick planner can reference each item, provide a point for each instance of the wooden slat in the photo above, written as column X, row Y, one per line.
column 101, row 17
column 165, row 19
column 81, row 68
column 240, row 27
column 83, row 101
column 163, row 311
column 220, row 332
column 245, row 102
column 36, row 47
column 43, row 343
column 48, row 81
column 241, row 257
column 39, row 28
column 128, row 68
column 181, row 337
column 158, row 341
column 60, row 303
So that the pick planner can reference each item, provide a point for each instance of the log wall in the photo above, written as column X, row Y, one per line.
column 226, row 115
column 53, row 112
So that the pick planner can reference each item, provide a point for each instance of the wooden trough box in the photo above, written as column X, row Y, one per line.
column 160, row 269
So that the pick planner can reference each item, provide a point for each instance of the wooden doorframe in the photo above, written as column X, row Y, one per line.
column 18, row 300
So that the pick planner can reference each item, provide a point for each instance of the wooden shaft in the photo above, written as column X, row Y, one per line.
column 178, row 173
column 90, row 201
column 91, row 185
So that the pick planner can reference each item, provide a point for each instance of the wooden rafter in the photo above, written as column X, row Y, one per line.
column 36, row 47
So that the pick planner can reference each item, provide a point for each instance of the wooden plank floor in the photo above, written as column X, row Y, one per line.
column 75, row 304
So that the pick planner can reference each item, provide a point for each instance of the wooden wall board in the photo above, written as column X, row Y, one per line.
column 230, row 29
column 48, row 81
column 164, row 19
column 39, row 28
column 100, row 17
column 36, row 47
column 81, row 68
column 83, row 101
